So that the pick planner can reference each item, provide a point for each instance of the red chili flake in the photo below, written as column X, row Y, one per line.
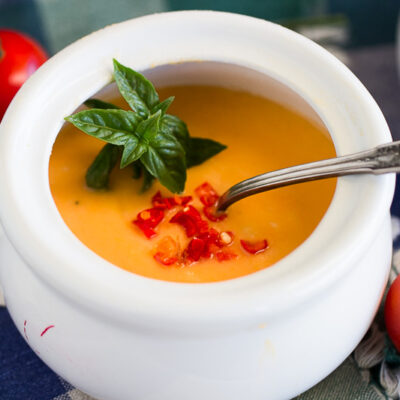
column 213, row 215
column 163, row 259
column 167, row 251
column 195, row 249
column 182, row 200
column 191, row 221
column 148, row 219
column 207, row 194
column 148, row 232
column 164, row 203
column 254, row 247
column 225, row 255
column 158, row 201
column 212, row 242
column 152, row 216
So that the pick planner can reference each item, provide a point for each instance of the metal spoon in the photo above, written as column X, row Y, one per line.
column 379, row 160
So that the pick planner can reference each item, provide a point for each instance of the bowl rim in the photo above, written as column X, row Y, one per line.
column 78, row 274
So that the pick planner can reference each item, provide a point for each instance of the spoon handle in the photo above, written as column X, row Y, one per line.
column 379, row 160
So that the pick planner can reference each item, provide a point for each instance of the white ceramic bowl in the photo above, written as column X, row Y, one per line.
column 116, row 335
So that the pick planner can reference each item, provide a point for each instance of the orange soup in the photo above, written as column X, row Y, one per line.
column 260, row 135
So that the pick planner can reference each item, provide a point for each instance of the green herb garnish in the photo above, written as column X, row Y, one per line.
column 156, row 144
column 98, row 173
column 96, row 103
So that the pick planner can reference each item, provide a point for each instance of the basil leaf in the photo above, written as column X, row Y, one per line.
column 200, row 150
column 165, row 160
column 148, row 180
column 163, row 106
column 156, row 144
column 112, row 126
column 137, row 170
column 137, row 145
column 148, row 128
column 132, row 151
column 138, row 92
column 174, row 126
column 97, row 103
column 97, row 175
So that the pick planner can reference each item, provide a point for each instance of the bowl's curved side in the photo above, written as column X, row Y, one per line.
column 275, row 358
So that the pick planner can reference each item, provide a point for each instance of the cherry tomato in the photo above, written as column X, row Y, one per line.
column 20, row 57
column 392, row 313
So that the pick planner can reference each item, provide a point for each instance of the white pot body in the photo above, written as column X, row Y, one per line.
column 115, row 335
column 273, row 359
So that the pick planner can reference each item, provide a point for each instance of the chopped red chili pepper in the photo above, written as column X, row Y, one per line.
column 148, row 219
column 164, row 203
column 167, row 251
column 191, row 221
column 195, row 249
column 149, row 232
column 162, row 259
column 213, row 215
column 205, row 242
column 225, row 255
column 212, row 242
column 207, row 194
column 152, row 216
column 158, row 201
column 182, row 200
column 254, row 247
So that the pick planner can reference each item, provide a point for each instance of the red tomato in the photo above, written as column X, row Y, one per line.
column 392, row 313
column 20, row 57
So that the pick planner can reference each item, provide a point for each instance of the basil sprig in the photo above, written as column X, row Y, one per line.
column 97, row 175
column 156, row 144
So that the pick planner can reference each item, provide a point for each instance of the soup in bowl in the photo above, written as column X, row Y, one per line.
column 264, row 128
column 125, row 326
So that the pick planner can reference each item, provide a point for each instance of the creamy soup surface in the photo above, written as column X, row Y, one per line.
column 261, row 136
